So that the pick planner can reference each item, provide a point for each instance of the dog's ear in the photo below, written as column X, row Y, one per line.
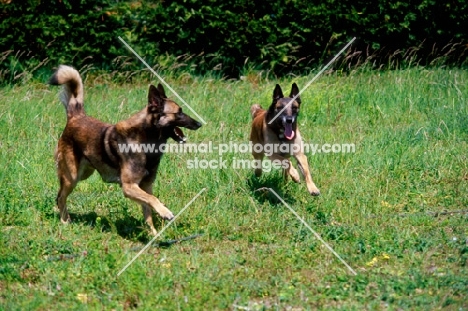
column 277, row 93
column 294, row 92
column 155, row 100
column 161, row 91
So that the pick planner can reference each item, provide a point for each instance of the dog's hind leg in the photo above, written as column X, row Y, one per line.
column 67, row 170
column 66, row 187
column 70, row 169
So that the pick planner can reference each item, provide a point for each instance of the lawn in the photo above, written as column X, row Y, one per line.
column 395, row 209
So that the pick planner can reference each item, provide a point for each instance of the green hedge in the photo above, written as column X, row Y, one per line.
column 280, row 36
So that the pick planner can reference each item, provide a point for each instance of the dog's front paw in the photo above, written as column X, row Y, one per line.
column 153, row 231
column 165, row 213
column 314, row 192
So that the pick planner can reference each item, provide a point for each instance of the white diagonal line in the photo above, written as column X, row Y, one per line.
column 313, row 79
column 160, row 232
column 313, row 231
column 161, row 79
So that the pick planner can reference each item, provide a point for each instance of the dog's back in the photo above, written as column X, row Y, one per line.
column 72, row 94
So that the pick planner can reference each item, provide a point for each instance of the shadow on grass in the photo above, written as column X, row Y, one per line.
column 134, row 229
column 90, row 219
column 129, row 227
column 259, row 188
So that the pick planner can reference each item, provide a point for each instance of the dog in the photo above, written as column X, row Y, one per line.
column 282, row 134
column 88, row 144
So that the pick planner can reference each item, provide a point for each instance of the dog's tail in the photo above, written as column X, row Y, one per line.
column 254, row 110
column 72, row 94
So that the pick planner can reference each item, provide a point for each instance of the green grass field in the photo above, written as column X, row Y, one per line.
column 395, row 210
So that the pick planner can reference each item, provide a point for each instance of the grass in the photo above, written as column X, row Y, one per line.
column 395, row 210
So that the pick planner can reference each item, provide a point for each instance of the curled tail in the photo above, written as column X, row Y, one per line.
column 72, row 94
column 254, row 110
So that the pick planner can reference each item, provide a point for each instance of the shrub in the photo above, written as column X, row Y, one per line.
column 279, row 36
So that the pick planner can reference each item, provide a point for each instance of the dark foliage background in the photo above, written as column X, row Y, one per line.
column 279, row 36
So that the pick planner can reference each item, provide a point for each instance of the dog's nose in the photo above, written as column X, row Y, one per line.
column 194, row 125
column 289, row 119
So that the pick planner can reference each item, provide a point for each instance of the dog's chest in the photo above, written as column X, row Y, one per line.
column 152, row 160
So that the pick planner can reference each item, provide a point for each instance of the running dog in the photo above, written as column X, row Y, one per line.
column 88, row 144
column 283, row 134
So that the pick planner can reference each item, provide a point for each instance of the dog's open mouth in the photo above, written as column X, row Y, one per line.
column 288, row 131
column 178, row 135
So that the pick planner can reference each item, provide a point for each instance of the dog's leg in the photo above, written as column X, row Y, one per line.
column 69, row 176
column 304, row 168
column 131, row 175
column 134, row 192
column 148, row 188
column 66, row 187
column 148, row 218
column 67, row 171
column 289, row 169
column 258, row 158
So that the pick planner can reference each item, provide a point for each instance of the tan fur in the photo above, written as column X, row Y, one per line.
column 264, row 133
column 72, row 93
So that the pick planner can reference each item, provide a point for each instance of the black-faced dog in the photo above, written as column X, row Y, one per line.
column 88, row 144
column 282, row 132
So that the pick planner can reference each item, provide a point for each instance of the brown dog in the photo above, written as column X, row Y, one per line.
column 282, row 136
column 88, row 144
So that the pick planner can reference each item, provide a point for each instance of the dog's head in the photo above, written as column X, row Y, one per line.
column 284, row 112
column 169, row 117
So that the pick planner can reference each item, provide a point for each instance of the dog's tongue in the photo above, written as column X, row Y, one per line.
column 179, row 135
column 288, row 131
